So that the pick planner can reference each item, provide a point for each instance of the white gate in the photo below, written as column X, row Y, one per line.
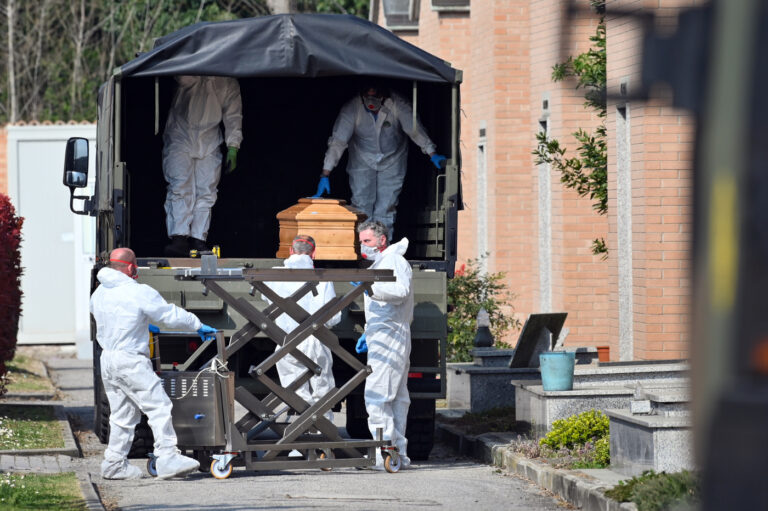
column 57, row 249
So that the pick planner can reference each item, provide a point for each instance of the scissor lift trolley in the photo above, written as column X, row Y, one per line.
column 203, row 413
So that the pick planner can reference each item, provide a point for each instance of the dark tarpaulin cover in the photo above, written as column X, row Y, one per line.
column 289, row 45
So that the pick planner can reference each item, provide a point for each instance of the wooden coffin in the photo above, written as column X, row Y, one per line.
column 331, row 222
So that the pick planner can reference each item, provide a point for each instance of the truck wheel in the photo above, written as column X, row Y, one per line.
column 357, row 417
column 143, row 439
column 101, row 405
column 420, row 429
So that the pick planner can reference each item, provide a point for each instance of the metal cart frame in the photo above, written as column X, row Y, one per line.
column 258, row 441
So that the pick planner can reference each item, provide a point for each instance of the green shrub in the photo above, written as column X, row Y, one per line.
column 577, row 430
column 10, row 283
column 656, row 492
column 469, row 291
column 603, row 451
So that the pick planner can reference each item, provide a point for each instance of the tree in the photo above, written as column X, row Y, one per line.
column 55, row 54
column 586, row 173
column 10, row 15
column 10, row 283
column 356, row 7
column 470, row 290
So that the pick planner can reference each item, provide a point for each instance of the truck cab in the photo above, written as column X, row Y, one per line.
column 295, row 72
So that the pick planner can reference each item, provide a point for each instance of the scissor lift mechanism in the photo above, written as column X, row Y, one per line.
column 257, row 440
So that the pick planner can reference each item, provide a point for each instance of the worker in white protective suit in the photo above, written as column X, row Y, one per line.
column 191, row 155
column 387, row 338
column 123, row 309
column 374, row 126
column 302, row 253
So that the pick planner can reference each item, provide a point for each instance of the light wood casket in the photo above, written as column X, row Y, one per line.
column 331, row 222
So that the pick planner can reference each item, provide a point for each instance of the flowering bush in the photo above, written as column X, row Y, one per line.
column 10, row 283
column 469, row 291
column 591, row 454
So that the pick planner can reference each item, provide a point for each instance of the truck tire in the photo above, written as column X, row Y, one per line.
column 357, row 417
column 143, row 439
column 420, row 429
column 101, row 404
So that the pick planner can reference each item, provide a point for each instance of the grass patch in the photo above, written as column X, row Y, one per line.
column 26, row 374
column 29, row 427
column 501, row 419
column 39, row 491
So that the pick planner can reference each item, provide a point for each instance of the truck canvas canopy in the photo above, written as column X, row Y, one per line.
column 289, row 45
column 295, row 72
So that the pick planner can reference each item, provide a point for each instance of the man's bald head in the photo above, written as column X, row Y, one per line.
column 123, row 260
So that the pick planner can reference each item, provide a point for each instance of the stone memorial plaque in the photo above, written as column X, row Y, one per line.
column 538, row 335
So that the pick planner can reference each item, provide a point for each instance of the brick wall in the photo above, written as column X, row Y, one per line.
column 578, row 278
column 660, row 161
column 638, row 304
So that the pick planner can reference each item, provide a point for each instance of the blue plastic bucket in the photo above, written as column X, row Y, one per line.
column 557, row 370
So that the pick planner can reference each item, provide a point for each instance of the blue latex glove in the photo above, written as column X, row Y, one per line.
column 438, row 160
column 154, row 329
column 355, row 284
column 324, row 186
column 231, row 163
column 361, row 346
column 207, row 333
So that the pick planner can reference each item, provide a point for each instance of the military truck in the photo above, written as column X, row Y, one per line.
column 295, row 72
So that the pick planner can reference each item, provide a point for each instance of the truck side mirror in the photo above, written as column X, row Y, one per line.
column 76, row 163
column 76, row 174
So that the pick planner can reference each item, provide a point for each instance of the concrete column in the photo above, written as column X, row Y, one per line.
column 482, row 195
column 545, row 220
column 624, row 232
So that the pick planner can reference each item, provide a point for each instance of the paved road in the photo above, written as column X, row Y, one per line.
column 445, row 481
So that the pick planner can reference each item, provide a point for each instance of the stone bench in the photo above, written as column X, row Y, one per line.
column 600, row 387
column 538, row 409
column 650, row 442
column 650, row 374
column 670, row 401
column 484, row 383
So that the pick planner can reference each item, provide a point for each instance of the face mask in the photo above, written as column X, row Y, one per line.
column 372, row 103
column 134, row 271
column 369, row 253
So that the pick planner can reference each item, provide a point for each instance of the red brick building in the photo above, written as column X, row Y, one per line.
column 637, row 301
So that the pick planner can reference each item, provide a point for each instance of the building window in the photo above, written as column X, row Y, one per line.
column 450, row 5
column 401, row 15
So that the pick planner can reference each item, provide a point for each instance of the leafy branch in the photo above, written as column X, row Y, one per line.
column 587, row 172
column 470, row 290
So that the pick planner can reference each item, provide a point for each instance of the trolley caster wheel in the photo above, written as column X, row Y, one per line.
column 329, row 455
column 152, row 467
column 218, row 472
column 392, row 463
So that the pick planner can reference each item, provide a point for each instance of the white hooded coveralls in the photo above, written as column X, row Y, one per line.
column 123, row 309
column 388, row 316
column 288, row 368
column 191, row 155
column 378, row 153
